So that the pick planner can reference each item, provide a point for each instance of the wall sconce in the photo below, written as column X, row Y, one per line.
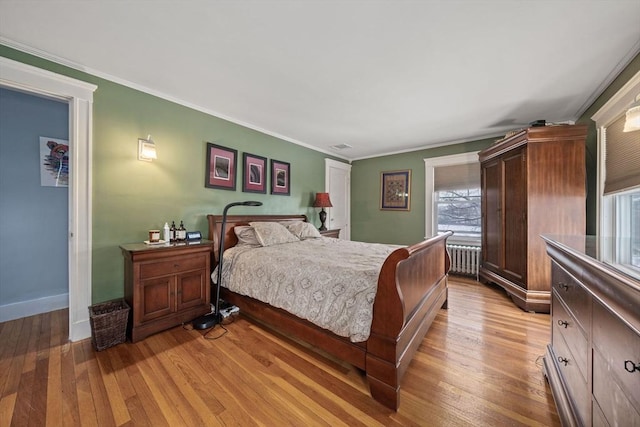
column 632, row 119
column 147, row 149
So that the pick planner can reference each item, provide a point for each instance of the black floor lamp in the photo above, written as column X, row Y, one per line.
column 211, row 319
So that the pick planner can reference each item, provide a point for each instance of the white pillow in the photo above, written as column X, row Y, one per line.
column 246, row 236
column 272, row 233
column 303, row 230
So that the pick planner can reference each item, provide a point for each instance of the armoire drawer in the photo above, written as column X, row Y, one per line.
column 565, row 327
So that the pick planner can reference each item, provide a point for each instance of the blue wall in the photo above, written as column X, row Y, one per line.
column 33, row 219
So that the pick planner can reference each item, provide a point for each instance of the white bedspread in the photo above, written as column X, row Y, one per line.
column 330, row 282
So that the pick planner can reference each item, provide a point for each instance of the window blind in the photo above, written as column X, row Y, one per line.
column 456, row 177
column 622, row 158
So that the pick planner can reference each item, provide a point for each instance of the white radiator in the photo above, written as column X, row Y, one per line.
column 464, row 259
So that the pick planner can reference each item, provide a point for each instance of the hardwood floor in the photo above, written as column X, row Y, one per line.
column 479, row 365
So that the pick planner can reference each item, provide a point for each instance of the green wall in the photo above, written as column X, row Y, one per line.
column 368, row 222
column 371, row 224
column 130, row 196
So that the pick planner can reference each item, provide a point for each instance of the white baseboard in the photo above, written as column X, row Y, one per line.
column 20, row 309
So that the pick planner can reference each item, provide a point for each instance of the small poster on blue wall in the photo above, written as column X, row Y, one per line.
column 54, row 162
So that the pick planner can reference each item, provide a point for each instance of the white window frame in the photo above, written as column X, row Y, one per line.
column 607, row 114
column 609, row 211
column 430, row 164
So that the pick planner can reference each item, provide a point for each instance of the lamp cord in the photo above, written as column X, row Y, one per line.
column 207, row 337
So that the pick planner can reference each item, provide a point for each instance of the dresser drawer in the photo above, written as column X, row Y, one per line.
column 565, row 327
column 573, row 294
column 172, row 265
column 615, row 343
column 577, row 390
column 616, row 404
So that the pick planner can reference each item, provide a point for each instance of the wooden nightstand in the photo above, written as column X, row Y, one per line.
column 335, row 233
column 166, row 286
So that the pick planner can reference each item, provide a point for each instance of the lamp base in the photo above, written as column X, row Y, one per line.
column 323, row 218
column 205, row 322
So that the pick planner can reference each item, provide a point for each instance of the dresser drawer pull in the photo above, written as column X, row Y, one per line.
column 563, row 286
column 563, row 323
column 563, row 360
column 629, row 366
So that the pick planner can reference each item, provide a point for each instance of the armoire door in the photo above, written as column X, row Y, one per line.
column 515, row 221
column 491, row 215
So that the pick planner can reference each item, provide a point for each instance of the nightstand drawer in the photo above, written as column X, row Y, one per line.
column 566, row 327
column 573, row 294
column 335, row 233
column 173, row 266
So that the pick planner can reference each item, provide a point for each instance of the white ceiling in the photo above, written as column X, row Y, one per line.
column 381, row 76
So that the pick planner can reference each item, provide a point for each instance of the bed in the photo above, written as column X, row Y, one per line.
column 411, row 289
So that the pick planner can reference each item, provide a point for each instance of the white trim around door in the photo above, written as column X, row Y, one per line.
column 79, row 96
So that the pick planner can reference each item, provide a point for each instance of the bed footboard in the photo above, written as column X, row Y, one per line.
column 412, row 287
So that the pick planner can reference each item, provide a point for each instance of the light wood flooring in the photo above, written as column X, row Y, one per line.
column 479, row 365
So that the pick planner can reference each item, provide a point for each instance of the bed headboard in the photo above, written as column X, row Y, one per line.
column 230, row 239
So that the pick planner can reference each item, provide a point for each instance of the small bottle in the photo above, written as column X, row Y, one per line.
column 182, row 232
column 172, row 232
column 165, row 235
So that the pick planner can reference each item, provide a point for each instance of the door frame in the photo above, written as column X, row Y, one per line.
column 79, row 97
column 328, row 165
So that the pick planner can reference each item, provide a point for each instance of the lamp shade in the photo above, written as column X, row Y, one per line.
column 322, row 201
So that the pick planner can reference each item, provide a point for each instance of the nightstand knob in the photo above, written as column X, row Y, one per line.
column 563, row 323
column 563, row 360
column 563, row 286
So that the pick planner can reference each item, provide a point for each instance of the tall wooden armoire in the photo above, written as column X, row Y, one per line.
column 533, row 183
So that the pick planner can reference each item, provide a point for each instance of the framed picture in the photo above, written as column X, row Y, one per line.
column 395, row 190
column 254, row 178
column 54, row 162
column 280, row 178
column 221, row 167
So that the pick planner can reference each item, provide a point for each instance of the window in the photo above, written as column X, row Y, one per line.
column 459, row 211
column 453, row 197
column 619, row 180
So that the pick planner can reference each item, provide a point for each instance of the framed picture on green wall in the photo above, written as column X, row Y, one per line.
column 280, row 178
column 254, row 178
column 395, row 190
column 221, row 167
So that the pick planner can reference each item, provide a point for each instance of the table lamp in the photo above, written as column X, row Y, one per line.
column 322, row 201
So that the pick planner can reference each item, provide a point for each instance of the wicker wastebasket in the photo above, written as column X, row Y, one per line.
column 108, row 323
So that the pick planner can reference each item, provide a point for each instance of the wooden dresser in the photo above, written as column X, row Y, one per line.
column 533, row 182
column 593, row 360
column 166, row 286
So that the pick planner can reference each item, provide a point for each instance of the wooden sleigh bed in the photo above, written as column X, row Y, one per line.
column 412, row 287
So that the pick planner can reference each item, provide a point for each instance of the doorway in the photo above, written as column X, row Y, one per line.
column 79, row 97
column 33, row 204
column 338, row 185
